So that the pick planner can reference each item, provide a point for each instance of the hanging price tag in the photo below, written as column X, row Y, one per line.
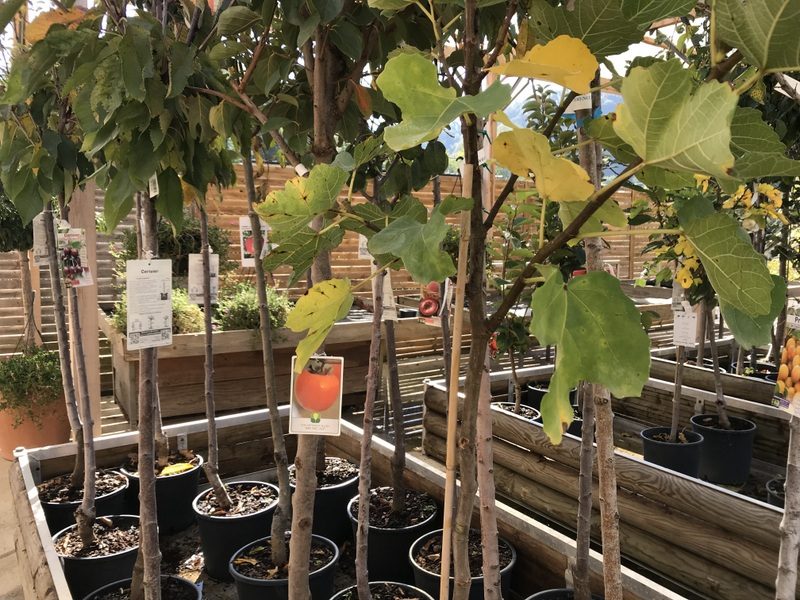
column 152, row 185
column 247, row 243
column 363, row 250
column 39, row 240
column 74, row 258
column 684, row 330
column 149, row 291
column 196, row 278
column 389, row 304
column 793, row 314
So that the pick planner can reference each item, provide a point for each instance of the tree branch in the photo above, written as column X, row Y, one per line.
column 721, row 69
column 355, row 73
column 501, row 38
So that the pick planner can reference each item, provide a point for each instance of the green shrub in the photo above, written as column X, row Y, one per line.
column 28, row 382
column 186, row 317
column 179, row 247
column 13, row 234
column 238, row 308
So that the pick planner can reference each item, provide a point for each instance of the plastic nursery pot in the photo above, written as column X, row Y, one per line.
column 763, row 370
column 176, row 587
column 86, row 574
column 330, row 506
column 560, row 594
column 174, row 496
column 320, row 581
column 429, row 581
column 60, row 515
column 386, row 544
column 726, row 454
column 537, row 390
column 527, row 413
column 221, row 536
column 409, row 591
column 683, row 457
column 776, row 494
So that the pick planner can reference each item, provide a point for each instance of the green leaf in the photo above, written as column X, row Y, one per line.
column 181, row 59
column 765, row 31
column 602, row 130
column 169, row 202
column 609, row 212
column 347, row 38
column 410, row 81
column 647, row 12
column 390, row 4
column 758, row 150
column 7, row 11
column 307, row 28
column 328, row 9
column 368, row 149
column 672, row 123
column 136, row 57
column 300, row 250
column 751, row 331
column 736, row 271
column 317, row 311
column 118, row 200
column 600, row 24
column 599, row 337
column 668, row 180
column 236, row 19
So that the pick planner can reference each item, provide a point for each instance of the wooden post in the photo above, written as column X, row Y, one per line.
column 36, row 285
column 82, row 214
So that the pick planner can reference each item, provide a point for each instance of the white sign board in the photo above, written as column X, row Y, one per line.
column 247, row 243
column 684, row 330
column 793, row 314
column 316, row 397
column 74, row 259
column 582, row 102
column 196, row 278
column 389, row 304
column 149, row 291
column 363, row 250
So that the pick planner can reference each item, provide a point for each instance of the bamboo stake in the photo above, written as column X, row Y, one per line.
column 452, row 390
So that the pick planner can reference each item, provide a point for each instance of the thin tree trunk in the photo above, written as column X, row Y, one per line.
column 302, row 516
column 365, row 466
column 680, row 359
column 146, row 584
column 786, row 582
column 29, row 333
column 780, row 325
column 283, row 512
column 211, row 466
column 488, row 512
column 396, row 398
column 515, row 381
column 701, row 345
column 740, row 360
column 722, row 412
column 62, row 334
column 85, row 513
column 580, row 572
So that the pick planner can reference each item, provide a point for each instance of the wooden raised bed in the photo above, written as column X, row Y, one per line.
column 702, row 539
column 543, row 552
column 239, row 375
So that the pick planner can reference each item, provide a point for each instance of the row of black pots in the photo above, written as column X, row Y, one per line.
column 185, row 588
column 533, row 414
column 711, row 453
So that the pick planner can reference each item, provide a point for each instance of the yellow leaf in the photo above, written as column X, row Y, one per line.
column 190, row 193
column 175, row 469
column 524, row 152
column 565, row 60
column 37, row 29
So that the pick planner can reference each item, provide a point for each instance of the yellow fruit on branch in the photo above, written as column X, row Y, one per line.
column 783, row 372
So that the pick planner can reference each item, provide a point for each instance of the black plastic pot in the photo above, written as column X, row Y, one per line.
column 429, row 581
column 221, row 536
column 726, row 453
column 126, row 584
column 320, row 581
column 763, row 370
column 330, row 510
column 174, row 496
column 537, row 390
column 681, row 457
column 708, row 363
column 776, row 495
column 509, row 408
column 411, row 591
column 560, row 594
column 60, row 515
column 386, row 545
column 406, row 313
column 85, row 575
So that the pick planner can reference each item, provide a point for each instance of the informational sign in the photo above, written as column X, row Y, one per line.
column 445, row 300
column 152, row 186
column 684, row 330
column 389, row 303
column 196, row 278
column 149, row 291
column 363, row 250
column 793, row 314
column 74, row 259
column 247, row 243
column 316, row 397
column 787, row 387
column 582, row 102
column 39, row 241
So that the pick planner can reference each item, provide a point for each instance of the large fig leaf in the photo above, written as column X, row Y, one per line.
column 410, row 81
column 758, row 150
column 565, row 60
column 300, row 250
column 736, row 271
column 599, row 338
column 609, row 212
column 674, row 124
column 765, row 31
column 646, row 12
column 317, row 311
column 524, row 151
column 751, row 331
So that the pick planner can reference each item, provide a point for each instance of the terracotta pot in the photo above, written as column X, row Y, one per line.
column 53, row 428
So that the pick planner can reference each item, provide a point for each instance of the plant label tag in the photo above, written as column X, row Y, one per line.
column 301, row 170
column 149, row 291
column 363, row 250
column 389, row 303
column 793, row 314
column 152, row 186
column 315, row 406
column 74, row 259
column 784, row 395
column 582, row 102
column 196, row 278
column 40, row 240
column 447, row 297
column 247, row 242
column 684, row 331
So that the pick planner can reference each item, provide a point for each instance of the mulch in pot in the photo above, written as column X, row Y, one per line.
column 59, row 491
column 170, row 590
column 257, row 561
column 526, row 412
column 109, row 539
column 429, row 554
column 664, row 437
column 384, row 591
column 177, row 463
column 245, row 500
column 419, row 507
column 337, row 470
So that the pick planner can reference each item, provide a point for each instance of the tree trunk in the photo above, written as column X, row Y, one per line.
column 211, row 466
column 29, row 333
column 580, row 572
column 302, row 516
column 62, row 333
column 515, row 381
column 701, row 345
column 396, row 399
column 283, row 512
column 722, row 412
column 780, row 325
column 365, row 466
column 786, row 582
column 680, row 359
column 146, row 584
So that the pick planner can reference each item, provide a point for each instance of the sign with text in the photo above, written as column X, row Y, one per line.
column 149, row 291
column 196, row 278
column 316, row 397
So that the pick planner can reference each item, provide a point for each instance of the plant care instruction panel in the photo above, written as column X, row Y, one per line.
column 149, row 290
